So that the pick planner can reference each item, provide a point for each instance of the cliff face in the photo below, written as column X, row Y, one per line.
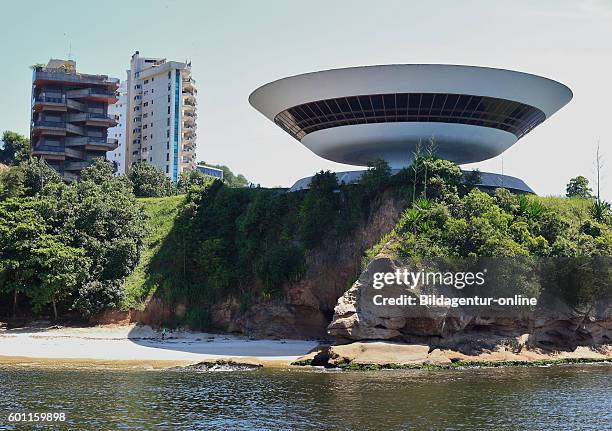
column 552, row 324
column 307, row 306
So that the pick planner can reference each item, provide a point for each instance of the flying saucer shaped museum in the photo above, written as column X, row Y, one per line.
column 359, row 114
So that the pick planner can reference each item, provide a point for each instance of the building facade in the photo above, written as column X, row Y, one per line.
column 119, row 112
column 161, row 115
column 359, row 114
column 70, row 118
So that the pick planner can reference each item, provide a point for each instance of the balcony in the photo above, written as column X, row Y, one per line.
column 98, row 94
column 50, row 127
column 75, row 154
column 48, row 150
column 49, row 103
column 42, row 75
column 93, row 143
column 92, row 119
column 77, row 130
column 77, row 106
column 189, row 102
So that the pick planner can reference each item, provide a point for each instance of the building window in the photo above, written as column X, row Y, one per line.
column 167, row 157
column 507, row 115
column 169, row 75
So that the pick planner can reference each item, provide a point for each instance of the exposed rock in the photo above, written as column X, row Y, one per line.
column 218, row 365
column 388, row 354
column 553, row 324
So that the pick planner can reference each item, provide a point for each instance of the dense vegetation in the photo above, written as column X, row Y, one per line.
column 529, row 244
column 68, row 245
column 91, row 244
column 245, row 242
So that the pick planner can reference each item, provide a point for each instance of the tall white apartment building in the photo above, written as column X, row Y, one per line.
column 119, row 112
column 161, row 115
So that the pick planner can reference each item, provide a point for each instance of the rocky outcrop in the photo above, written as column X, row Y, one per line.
column 368, row 355
column 307, row 305
column 552, row 325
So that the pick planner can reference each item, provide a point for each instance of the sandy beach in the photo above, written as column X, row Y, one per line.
column 141, row 345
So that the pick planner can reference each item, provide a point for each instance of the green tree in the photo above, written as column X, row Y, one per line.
column 12, row 182
column 58, row 270
column 578, row 187
column 150, row 182
column 15, row 148
column 37, row 175
column 376, row 176
column 99, row 171
column 317, row 213
column 193, row 181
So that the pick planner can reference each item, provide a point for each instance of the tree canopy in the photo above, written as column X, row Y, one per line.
column 578, row 187
column 15, row 148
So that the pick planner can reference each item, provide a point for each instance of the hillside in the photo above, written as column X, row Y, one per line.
column 161, row 216
column 268, row 263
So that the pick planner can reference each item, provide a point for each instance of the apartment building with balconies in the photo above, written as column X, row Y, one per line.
column 161, row 115
column 119, row 111
column 69, row 117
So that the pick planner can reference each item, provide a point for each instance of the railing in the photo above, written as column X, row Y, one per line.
column 73, row 104
column 189, row 102
column 47, row 99
column 75, row 129
column 84, row 140
column 84, row 92
column 47, row 123
column 77, row 154
column 83, row 117
column 48, row 149
column 59, row 75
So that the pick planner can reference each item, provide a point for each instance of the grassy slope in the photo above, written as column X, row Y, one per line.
column 574, row 210
column 162, row 212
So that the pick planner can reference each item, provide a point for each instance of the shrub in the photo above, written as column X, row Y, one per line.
column 97, row 295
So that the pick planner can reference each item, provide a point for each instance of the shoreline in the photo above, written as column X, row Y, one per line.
column 134, row 346
column 141, row 346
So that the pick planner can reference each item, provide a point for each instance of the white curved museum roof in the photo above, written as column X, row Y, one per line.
column 355, row 115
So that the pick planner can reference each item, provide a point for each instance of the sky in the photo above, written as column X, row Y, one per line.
column 237, row 46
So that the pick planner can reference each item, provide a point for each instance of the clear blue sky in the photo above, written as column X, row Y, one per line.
column 236, row 46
